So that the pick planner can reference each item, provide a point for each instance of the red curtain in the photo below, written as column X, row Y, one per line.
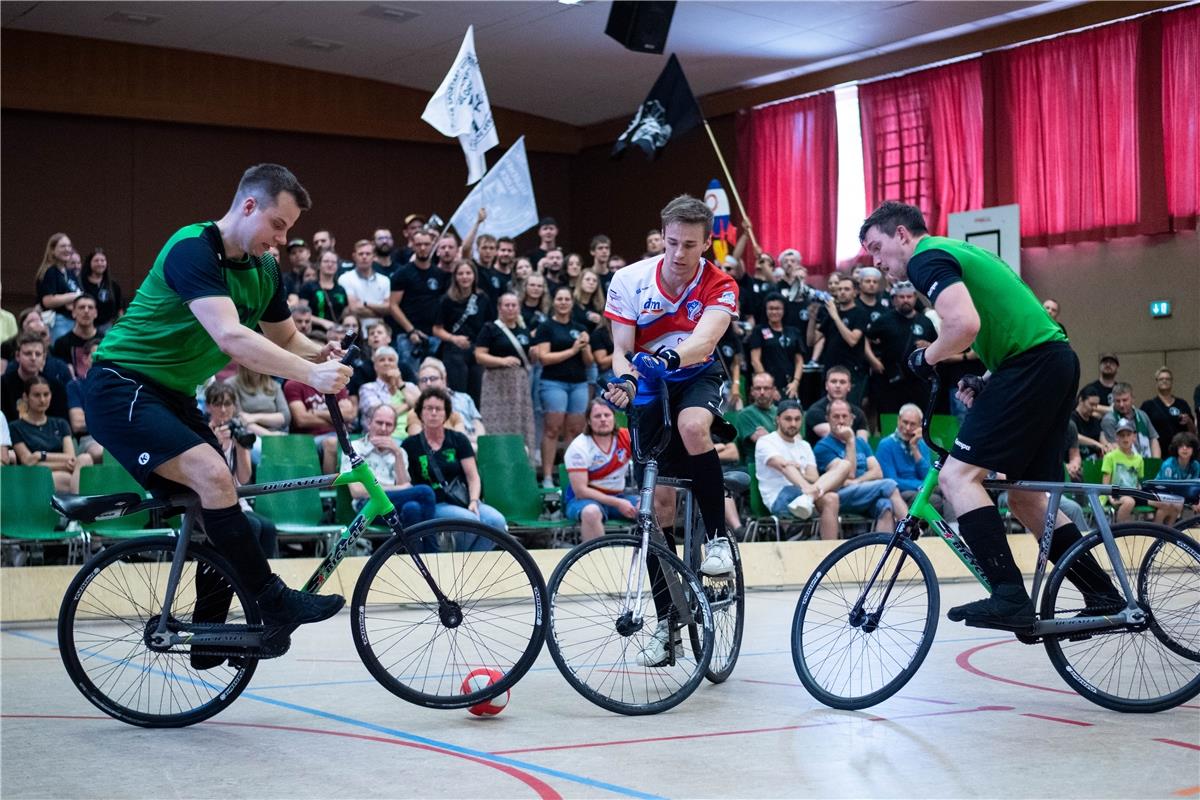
column 1181, row 114
column 922, row 139
column 787, row 167
column 1071, row 111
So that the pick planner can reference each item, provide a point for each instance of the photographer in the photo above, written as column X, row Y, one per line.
column 236, row 442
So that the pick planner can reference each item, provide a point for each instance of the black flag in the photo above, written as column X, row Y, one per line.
column 669, row 111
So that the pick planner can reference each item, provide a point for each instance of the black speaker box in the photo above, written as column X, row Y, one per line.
column 640, row 25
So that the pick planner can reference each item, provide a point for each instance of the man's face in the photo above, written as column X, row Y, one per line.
column 363, row 256
column 430, row 377
column 890, row 253
column 868, row 285
column 383, row 242
column 1123, row 403
column 447, row 250
column 298, row 257
column 909, row 425
column 554, row 260
column 422, row 245
column 1051, row 308
column 264, row 226
column 378, row 336
column 601, row 251
column 84, row 310
column 788, row 423
column 383, row 423
column 837, row 385
column 548, row 233
column 1087, row 406
column 654, row 243
column 602, row 420
column 303, row 322
column 845, row 293
column 762, row 391
column 684, row 245
column 31, row 358
column 904, row 302
column 839, row 415
column 487, row 250
column 505, row 253
column 322, row 241
column 411, row 228
column 1108, row 368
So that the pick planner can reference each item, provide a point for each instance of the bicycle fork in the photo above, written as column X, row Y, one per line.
column 860, row 617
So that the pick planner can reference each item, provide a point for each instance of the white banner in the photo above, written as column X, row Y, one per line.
column 507, row 194
column 460, row 108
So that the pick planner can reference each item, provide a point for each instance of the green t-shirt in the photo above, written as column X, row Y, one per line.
column 161, row 338
column 1126, row 471
column 1011, row 318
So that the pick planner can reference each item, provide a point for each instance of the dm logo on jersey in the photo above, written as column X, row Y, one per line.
column 653, row 306
column 694, row 307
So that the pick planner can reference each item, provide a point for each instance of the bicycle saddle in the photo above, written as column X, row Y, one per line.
column 82, row 508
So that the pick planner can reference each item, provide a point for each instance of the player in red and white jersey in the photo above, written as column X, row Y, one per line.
column 670, row 312
column 597, row 463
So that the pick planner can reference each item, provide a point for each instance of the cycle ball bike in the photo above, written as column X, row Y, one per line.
column 608, row 595
column 423, row 615
column 866, row 617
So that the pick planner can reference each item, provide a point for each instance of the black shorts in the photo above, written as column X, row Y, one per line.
column 1018, row 424
column 141, row 423
column 702, row 391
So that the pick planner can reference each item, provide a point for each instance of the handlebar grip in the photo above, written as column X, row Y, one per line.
column 348, row 345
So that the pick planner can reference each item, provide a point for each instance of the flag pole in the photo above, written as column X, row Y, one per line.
column 732, row 185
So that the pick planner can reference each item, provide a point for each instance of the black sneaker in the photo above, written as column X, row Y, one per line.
column 1009, row 609
column 284, row 607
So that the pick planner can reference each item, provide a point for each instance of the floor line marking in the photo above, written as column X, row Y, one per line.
column 1060, row 719
column 1190, row 791
column 1178, row 743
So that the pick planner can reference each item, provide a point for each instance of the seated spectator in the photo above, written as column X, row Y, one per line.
column 261, row 406
column 1087, row 424
column 1146, row 436
column 75, row 413
column 788, row 478
column 757, row 419
column 39, row 438
column 464, row 414
column 561, row 346
column 310, row 415
column 302, row 316
column 71, row 345
column 235, row 442
column 865, row 491
column 29, row 364
column 837, row 387
column 905, row 458
column 1167, row 413
column 462, row 312
column 54, row 368
column 837, row 334
column 388, row 389
column 597, row 462
column 8, row 337
column 1126, row 467
column 439, row 457
column 778, row 349
column 502, row 349
column 1181, row 464
column 7, row 456
column 325, row 296
column 56, row 287
column 389, row 464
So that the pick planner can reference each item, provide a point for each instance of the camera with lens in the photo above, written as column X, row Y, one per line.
column 241, row 435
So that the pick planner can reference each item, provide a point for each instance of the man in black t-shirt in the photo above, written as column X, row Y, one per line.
column 894, row 334
column 837, row 333
column 71, row 345
column 1087, row 424
column 1104, row 384
column 547, row 240
column 837, row 387
column 1168, row 414
column 417, row 288
column 31, row 358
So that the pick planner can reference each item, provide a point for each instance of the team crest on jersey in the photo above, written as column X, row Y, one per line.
column 726, row 299
column 622, row 454
column 694, row 307
column 432, row 283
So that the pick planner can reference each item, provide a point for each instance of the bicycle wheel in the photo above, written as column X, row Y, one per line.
column 422, row 650
column 108, row 611
column 1133, row 669
column 726, row 596
column 596, row 635
column 852, row 657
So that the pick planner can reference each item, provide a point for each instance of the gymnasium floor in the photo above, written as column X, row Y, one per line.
column 985, row 717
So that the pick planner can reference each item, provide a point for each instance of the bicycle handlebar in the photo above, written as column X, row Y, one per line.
column 331, row 402
column 935, row 387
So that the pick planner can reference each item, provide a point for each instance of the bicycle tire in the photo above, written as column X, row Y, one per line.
column 842, row 662
column 101, row 635
column 421, row 657
column 727, row 597
column 587, row 591
column 1123, row 669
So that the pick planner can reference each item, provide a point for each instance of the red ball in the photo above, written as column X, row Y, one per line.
column 479, row 679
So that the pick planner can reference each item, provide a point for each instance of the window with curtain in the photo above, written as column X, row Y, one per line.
column 1181, row 114
column 787, row 166
column 922, row 136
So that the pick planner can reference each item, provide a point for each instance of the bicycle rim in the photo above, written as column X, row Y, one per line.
column 1133, row 670
column 727, row 596
column 845, row 661
column 102, row 624
column 593, row 648
column 413, row 648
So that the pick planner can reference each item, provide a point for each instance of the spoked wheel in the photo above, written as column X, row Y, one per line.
column 602, row 627
column 1144, row 668
column 493, row 615
column 115, row 602
column 726, row 595
column 851, row 654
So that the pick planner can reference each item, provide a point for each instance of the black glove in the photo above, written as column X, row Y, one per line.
column 972, row 383
column 628, row 384
column 919, row 367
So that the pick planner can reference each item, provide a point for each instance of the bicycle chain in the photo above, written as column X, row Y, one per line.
column 235, row 652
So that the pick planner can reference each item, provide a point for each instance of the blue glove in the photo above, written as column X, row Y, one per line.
column 919, row 367
column 649, row 366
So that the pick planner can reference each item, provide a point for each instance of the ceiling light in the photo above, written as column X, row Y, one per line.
column 391, row 13
column 133, row 18
column 322, row 45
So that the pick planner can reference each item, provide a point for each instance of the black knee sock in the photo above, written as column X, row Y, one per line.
column 708, row 487
column 1085, row 572
column 983, row 531
column 233, row 535
column 658, row 584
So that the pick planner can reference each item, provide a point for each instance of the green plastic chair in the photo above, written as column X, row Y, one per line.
column 297, row 449
column 298, row 515
column 510, row 483
column 887, row 423
column 113, row 479
column 27, row 520
column 942, row 429
column 759, row 513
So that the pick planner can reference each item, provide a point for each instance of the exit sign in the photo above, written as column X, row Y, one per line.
column 1160, row 308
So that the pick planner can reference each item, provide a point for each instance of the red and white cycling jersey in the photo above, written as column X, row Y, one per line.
column 605, row 470
column 636, row 297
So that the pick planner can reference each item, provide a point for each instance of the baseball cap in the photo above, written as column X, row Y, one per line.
column 296, row 243
column 903, row 287
column 1126, row 425
column 869, row 272
column 411, row 218
column 1110, row 357
column 547, row 221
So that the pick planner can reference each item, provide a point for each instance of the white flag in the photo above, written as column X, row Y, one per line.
column 460, row 108
column 507, row 194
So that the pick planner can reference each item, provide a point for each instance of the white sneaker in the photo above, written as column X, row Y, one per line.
column 654, row 654
column 719, row 560
column 548, row 482
column 801, row 507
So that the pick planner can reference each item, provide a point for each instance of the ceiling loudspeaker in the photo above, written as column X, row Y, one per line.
column 640, row 26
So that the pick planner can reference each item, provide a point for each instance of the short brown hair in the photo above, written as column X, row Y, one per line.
column 689, row 211
column 264, row 182
column 891, row 214
column 434, row 393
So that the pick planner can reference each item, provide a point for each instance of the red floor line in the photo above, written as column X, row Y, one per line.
column 1190, row 791
column 1178, row 743
column 540, row 787
column 748, row 731
column 1060, row 719
column 963, row 660
column 927, row 700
